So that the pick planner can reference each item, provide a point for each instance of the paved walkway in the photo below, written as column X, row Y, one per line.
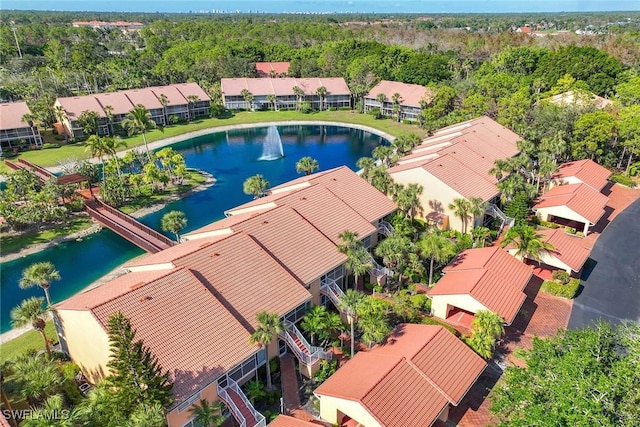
column 290, row 393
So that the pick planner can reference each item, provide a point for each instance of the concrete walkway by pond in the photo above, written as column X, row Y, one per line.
column 612, row 282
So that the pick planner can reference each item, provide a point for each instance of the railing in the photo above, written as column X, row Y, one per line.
column 494, row 211
column 314, row 353
column 377, row 270
column 330, row 288
column 385, row 228
column 36, row 168
column 237, row 413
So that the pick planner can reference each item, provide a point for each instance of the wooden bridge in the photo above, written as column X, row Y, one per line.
column 120, row 223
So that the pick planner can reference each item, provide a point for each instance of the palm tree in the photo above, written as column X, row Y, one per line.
column 164, row 101
column 110, row 146
column 528, row 242
column 206, row 414
column 299, row 93
column 349, row 242
column 307, row 165
column 480, row 235
column 461, row 208
column 358, row 263
column 397, row 109
column 350, row 304
column 273, row 100
column 108, row 111
column 6, row 370
column 436, row 247
column 174, row 222
column 322, row 93
column 385, row 153
column 394, row 251
column 269, row 326
column 139, row 120
column 192, row 99
column 248, row 98
column 39, row 274
column 314, row 322
column 255, row 185
column 477, row 207
column 30, row 312
column 381, row 179
column 408, row 199
column 96, row 147
column 366, row 164
column 381, row 98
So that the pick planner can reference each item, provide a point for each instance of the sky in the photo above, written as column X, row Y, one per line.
column 277, row 6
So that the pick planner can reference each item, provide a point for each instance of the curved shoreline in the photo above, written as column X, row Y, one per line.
column 194, row 134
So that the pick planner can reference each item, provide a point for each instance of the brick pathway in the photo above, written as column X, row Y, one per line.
column 289, row 383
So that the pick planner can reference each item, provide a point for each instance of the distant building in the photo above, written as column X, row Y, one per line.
column 580, row 99
column 14, row 131
column 184, row 101
column 123, row 26
column 272, row 69
column 412, row 99
column 337, row 95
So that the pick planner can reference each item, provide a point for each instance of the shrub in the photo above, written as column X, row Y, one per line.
column 549, row 224
column 558, row 289
column 570, row 230
column 50, row 145
column 59, row 137
column 434, row 321
column 561, row 276
column 344, row 109
column 326, row 369
column 623, row 179
column 407, row 121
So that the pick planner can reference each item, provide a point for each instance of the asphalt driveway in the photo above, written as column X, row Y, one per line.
column 612, row 282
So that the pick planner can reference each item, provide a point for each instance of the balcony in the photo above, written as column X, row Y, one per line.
column 240, row 407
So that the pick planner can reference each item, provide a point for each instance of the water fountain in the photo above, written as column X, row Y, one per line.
column 272, row 145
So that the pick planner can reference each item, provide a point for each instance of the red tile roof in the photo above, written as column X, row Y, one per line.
column 461, row 156
column 190, row 332
column 117, row 100
column 586, row 171
column 144, row 96
column 265, row 69
column 287, row 421
column 410, row 379
column 579, row 98
column 568, row 248
column 75, row 105
column 224, row 267
column 283, row 86
column 171, row 92
column 188, row 89
column 11, row 115
column 580, row 198
column 410, row 94
column 287, row 236
column 174, row 252
column 491, row 276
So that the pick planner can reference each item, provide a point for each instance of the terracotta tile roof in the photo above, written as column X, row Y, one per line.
column 188, row 89
column 174, row 252
column 223, row 267
column 75, row 105
column 580, row 98
column 351, row 189
column 287, row 236
column 586, row 171
column 118, row 100
column 171, row 92
column 461, row 156
column 185, row 326
column 570, row 249
column 93, row 297
column 287, row 421
column 580, row 198
column 410, row 95
column 491, row 276
column 283, row 86
column 264, row 69
column 144, row 96
column 11, row 115
column 423, row 368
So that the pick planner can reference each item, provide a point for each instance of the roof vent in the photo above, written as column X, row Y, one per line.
column 145, row 298
column 137, row 285
column 215, row 254
column 265, row 222
column 303, row 198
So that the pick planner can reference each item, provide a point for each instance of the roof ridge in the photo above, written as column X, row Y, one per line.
column 201, row 247
column 427, row 378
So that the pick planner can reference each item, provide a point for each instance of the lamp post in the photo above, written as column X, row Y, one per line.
column 15, row 36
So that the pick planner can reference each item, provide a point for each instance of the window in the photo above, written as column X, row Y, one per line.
column 337, row 274
column 298, row 312
column 366, row 242
column 192, row 423
column 190, row 401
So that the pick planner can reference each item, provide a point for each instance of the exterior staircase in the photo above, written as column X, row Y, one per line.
column 385, row 228
column 378, row 270
column 330, row 288
column 494, row 211
column 240, row 407
column 305, row 352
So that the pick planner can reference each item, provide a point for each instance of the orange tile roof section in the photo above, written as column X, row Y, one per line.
column 171, row 92
column 120, row 103
column 223, row 267
column 11, row 114
column 410, row 378
column 283, row 86
column 190, row 332
column 75, row 105
column 587, row 171
column 410, row 95
column 491, row 276
column 461, row 156
column 568, row 248
column 287, row 421
column 144, row 96
column 174, row 252
column 264, row 69
column 188, row 89
column 580, row 198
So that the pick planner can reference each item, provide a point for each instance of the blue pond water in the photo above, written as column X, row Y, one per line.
column 231, row 157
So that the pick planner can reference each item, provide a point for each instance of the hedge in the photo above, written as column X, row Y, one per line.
column 558, row 289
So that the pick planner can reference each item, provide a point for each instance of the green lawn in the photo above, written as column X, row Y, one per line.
column 13, row 243
column 31, row 340
column 53, row 157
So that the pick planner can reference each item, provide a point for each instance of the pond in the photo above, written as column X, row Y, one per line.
column 231, row 157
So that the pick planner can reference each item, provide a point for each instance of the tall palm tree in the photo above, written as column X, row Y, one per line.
column 6, row 370
column 192, row 99
column 350, row 304
column 461, row 208
column 110, row 145
column 314, row 322
column 139, row 121
column 385, row 153
column 322, row 93
column 349, row 241
column 381, row 98
column 358, row 263
column 269, row 326
column 108, row 111
column 366, row 164
column 273, row 100
column 39, row 274
column 436, row 247
column 30, row 312
column 477, row 208
column 408, row 199
column 307, row 165
column 255, row 185
column 164, row 101
column 96, row 147
column 528, row 242
column 299, row 93
column 397, row 109
column 248, row 98
column 207, row 414
column 174, row 222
